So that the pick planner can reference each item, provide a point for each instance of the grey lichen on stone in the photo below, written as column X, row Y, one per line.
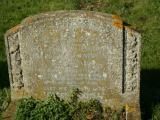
column 58, row 51
column 14, row 61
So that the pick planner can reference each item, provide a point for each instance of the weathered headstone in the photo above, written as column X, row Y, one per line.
column 95, row 52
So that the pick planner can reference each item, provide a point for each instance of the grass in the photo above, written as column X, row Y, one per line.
column 4, row 100
column 144, row 15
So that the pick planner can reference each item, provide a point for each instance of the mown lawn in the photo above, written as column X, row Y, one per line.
column 144, row 15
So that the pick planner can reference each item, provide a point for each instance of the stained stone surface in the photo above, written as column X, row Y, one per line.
column 58, row 51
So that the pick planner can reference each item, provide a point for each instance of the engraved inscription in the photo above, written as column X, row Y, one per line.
column 56, row 52
column 72, row 53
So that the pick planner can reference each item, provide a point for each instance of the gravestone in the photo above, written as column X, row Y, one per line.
column 58, row 51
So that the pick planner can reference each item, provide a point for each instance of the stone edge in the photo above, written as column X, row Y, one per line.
column 115, row 20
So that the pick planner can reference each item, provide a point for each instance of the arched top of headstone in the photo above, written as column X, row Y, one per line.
column 56, row 51
column 114, row 20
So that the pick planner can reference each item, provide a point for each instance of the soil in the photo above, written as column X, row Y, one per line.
column 9, row 113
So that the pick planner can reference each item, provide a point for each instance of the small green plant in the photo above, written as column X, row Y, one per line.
column 110, row 114
column 4, row 100
column 52, row 108
column 55, row 108
column 88, row 110
column 156, row 112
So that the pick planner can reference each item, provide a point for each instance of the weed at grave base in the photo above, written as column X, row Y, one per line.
column 55, row 108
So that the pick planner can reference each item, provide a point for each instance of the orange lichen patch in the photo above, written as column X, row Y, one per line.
column 89, row 15
column 130, row 30
column 116, row 17
column 19, row 93
column 130, row 34
column 118, row 24
column 38, row 91
column 127, row 27
column 130, row 108
column 15, row 29
column 29, row 20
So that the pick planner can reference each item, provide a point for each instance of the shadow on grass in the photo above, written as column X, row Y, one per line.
column 4, row 77
column 150, row 91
